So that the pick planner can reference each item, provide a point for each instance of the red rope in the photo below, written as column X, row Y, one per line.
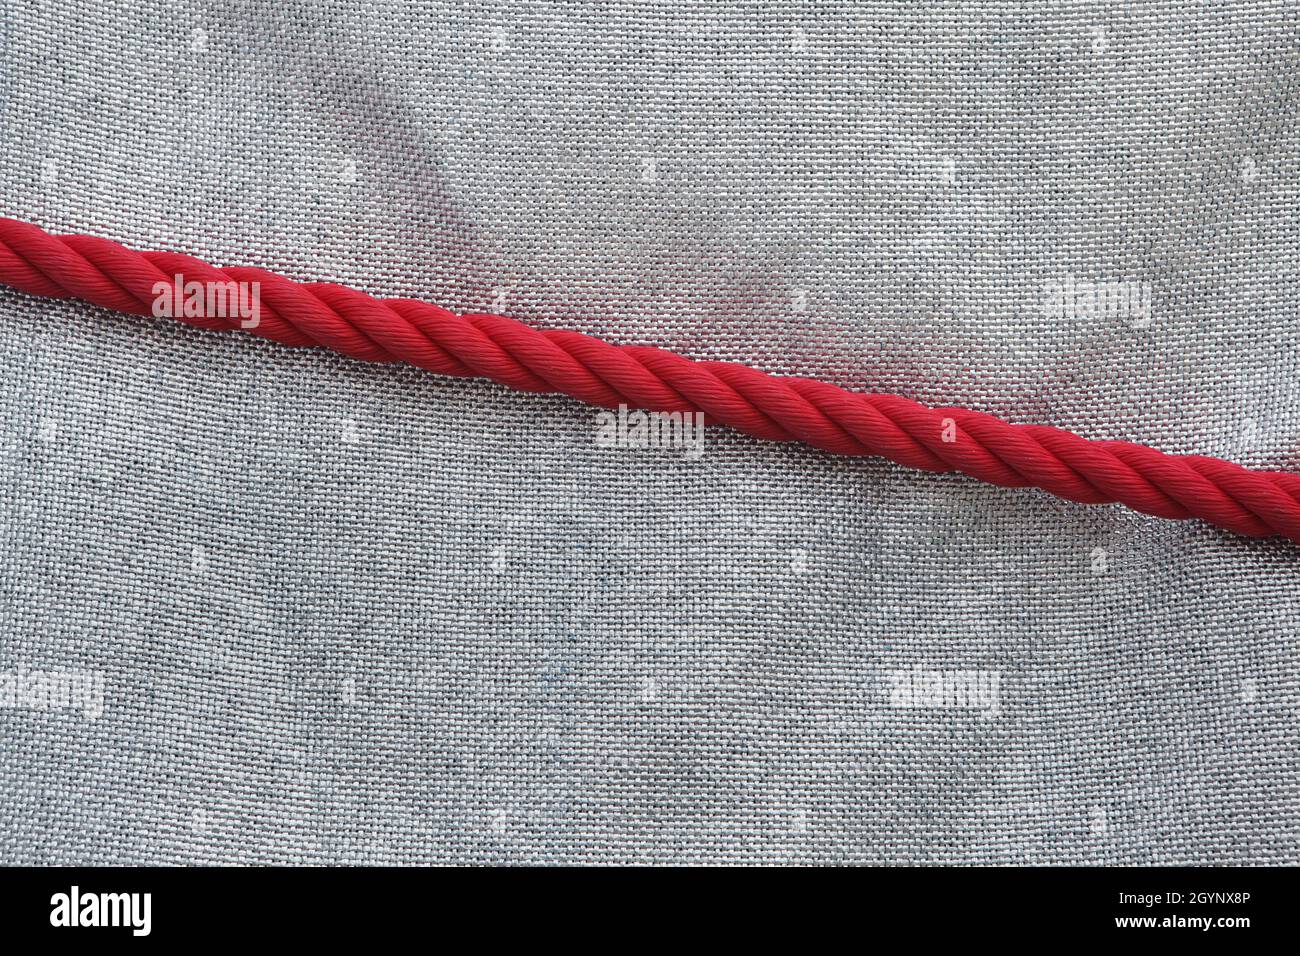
column 780, row 409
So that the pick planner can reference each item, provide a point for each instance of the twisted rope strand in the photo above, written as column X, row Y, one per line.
column 780, row 409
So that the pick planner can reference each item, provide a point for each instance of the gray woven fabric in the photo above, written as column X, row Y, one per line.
column 320, row 611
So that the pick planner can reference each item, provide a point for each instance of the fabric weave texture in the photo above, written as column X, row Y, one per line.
column 361, row 614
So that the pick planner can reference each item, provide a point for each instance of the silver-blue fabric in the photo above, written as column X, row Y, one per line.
column 348, row 613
